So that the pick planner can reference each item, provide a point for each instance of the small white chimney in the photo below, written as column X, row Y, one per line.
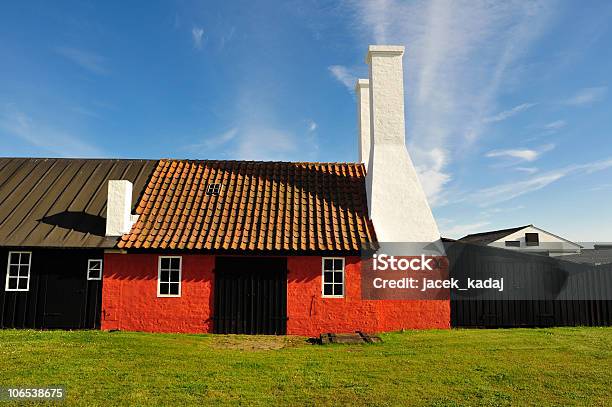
column 397, row 204
column 119, row 218
column 362, row 90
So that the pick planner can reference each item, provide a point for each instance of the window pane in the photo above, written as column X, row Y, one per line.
column 338, row 264
column 95, row 265
column 327, row 289
column 327, row 277
column 23, row 271
column 95, row 275
column 12, row 283
column 164, row 288
column 165, row 263
column 164, row 276
column 328, row 264
column 25, row 258
column 337, row 289
column 175, row 264
column 23, row 283
column 13, row 271
column 174, row 288
column 174, row 276
column 338, row 277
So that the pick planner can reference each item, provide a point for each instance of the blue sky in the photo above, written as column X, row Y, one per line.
column 508, row 105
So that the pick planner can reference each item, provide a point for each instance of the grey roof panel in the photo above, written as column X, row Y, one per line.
column 58, row 202
column 485, row 238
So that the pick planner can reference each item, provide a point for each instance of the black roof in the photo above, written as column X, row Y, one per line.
column 485, row 238
column 61, row 202
column 590, row 256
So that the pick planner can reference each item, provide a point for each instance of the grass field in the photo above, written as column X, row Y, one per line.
column 561, row 366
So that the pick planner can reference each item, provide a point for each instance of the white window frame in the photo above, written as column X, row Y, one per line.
column 180, row 282
column 8, row 270
column 323, row 295
column 89, row 270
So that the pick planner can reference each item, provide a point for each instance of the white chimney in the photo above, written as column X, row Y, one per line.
column 397, row 204
column 362, row 90
column 119, row 218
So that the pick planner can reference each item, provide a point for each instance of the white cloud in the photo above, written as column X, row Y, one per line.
column 556, row 125
column 521, row 154
column 197, row 33
column 528, row 170
column 344, row 76
column 587, row 96
column 501, row 116
column 508, row 191
column 265, row 144
column 311, row 125
column 459, row 55
column 85, row 59
column 215, row 142
column 46, row 138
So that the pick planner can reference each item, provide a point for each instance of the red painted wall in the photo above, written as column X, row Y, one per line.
column 130, row 302
column 310, row 314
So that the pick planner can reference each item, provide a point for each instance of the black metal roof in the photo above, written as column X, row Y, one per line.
column 60, row 202
column 485, row 238
column 590, row 256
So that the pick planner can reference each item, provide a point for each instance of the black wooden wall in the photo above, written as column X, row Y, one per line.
column 59, row 296
column 539, row 291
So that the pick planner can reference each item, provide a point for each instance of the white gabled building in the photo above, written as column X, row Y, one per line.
column 529, row 239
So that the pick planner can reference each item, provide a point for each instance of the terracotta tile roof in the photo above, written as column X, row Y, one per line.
column 271, row 206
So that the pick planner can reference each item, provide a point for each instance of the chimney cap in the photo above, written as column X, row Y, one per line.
column 362, row 83
column 384, row 50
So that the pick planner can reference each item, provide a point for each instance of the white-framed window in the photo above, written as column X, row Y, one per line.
column 18, row 271
column 169, row 276
column 94, row 269
column 333, row 277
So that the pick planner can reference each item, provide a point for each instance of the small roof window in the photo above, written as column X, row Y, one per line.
column 213, row 189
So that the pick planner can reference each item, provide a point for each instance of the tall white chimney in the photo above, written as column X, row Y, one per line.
column 119, row 218
column 362, row 90
column 397, row 204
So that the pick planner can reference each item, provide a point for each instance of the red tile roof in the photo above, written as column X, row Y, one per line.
column 269, row 206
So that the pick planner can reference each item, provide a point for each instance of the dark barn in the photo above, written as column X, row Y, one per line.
column 540, row 291
column 52, row 238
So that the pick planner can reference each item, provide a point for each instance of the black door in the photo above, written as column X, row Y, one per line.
column 250, row 295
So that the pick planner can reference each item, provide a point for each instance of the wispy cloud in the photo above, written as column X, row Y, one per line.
column 587, row 96
column 210, row 144
column 528, row 170
column 88, row 60
column 46, row 138
column 257, row 143
column 344, row 76
column 311, row 125
column 556, row 125
column 506, row 114
column 459, row 55
column 508, row 191
column 521, row 154
column 197, row 34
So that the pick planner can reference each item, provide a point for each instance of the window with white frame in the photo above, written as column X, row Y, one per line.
column 333, row 277
column 94, row 269
column 18, row 271
column 169, row 277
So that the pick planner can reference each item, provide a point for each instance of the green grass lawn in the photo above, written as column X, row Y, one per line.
column 560, row 366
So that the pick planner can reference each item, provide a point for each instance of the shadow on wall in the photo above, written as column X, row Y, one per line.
column 79, row 221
